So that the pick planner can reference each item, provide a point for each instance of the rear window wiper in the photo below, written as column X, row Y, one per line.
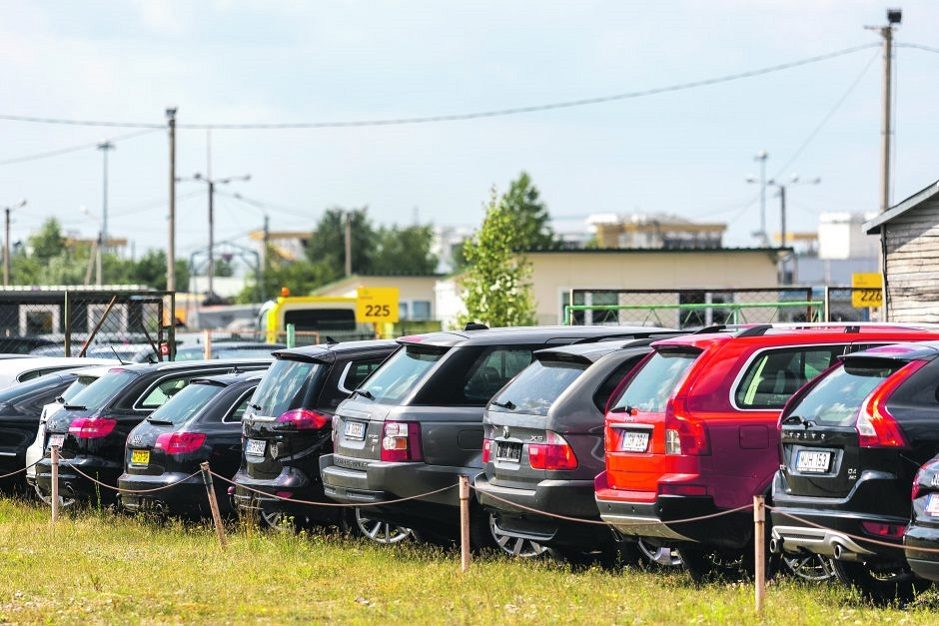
column 628, row 410
column 365, row 393
column 75, row 407
column 256, row 407
column 799, row 421
column 508, row 405
column 159, row 421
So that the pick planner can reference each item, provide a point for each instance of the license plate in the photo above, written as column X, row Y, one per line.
column 932, row 504
column 354, row 430
column 140, row 457
column 508, row 451
column 812, row 462
column 255, row 447
column 56, row 440
column 634, row 441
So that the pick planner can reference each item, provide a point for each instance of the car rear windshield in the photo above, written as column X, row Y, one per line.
column 287, row 385
column 399, row 374
column 13, row 392
column 538, row 386
column 77, row 386
column 98, row 393
column 836, row 399
column 651, row 387
column 774, row 375
column 186, row 403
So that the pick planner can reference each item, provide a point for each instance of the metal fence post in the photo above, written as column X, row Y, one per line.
column 213, row 503
column 55, row 484
column 67, row 324
column 291, row 336
column 171, row 331
column 759, row 550
column 464, row 524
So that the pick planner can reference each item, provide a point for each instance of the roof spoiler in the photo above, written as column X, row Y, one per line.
column 475, row 326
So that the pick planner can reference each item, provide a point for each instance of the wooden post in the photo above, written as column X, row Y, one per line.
column 464, row 524
column 55, row 484
column 759, row 549
column 207, row 344
column 213, row 503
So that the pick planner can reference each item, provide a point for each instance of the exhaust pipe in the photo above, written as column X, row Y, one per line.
column 839, row 551
column 775, row 545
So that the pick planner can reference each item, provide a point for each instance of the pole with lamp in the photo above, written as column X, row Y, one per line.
column 795, row 180
column 6, row 240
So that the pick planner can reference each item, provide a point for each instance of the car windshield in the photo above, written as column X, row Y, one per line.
column 398, row 375
column 536, row 388
column 98, row 393
column 836, row 399
column 654, row 383
column 186, row 403
column 14, row 392
column 77, row 386
column 284, row 386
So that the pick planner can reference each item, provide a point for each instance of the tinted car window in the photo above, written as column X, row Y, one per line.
column 774, row 375
column 492, row 371
column 285, row 385
column 165, row 390
column 359, row 371
column 608, row 386
column 400, row 373
column 321, row 319
column 539, row 385
column 77, row 386
column 471, row 375
column 238, row 411
column 98, row 393
column 185, row 403
column 651, row 387
column 836, row 399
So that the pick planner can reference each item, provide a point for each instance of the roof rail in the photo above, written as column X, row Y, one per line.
column 755, row 331
column 710, row 328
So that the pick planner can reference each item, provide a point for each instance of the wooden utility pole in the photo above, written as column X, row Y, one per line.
column 171, row 243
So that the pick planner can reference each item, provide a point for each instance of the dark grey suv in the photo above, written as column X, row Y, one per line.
column 416, row 424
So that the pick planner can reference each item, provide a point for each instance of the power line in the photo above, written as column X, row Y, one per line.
column 400, row 121
column 77, row 148
column 268, row 206
column 916, row 46
column 153, row 204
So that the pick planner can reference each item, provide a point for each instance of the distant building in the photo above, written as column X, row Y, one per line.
column 289, row 245
column 415, row 293
column 656, row 231
column 839, row 249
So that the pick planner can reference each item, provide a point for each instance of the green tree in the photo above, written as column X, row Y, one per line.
column 49, row 241
column 497, row 288
column 404, row 250
column 529, row 215
column 327, row 250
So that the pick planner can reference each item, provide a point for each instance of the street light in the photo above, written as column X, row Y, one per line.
column 6, row 244
column 211, row 183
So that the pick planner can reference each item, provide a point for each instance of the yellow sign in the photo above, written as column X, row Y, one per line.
column 868, row 290
column 376, row 305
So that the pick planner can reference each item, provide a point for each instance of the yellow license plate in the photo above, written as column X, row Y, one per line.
column 140, row 457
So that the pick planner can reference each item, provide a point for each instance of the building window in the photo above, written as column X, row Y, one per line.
column 403, row 311
column 420, row 310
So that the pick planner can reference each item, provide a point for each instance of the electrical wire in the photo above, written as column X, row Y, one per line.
column 916, row 46
column 454, row 117
column 267, row 206
column 77, row 148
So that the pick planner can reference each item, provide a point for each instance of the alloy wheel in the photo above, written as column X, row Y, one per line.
column 814, row 568
column 379, row 530
column 64, row 502
column 515, row 546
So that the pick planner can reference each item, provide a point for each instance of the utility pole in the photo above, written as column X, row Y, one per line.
column 348, row 237
column 782, row 207
column 265, row 242
column 894, row 16
column 98, row 259
column 6, row 241
column 761, row 156
column 171, row 244
column 105, row 147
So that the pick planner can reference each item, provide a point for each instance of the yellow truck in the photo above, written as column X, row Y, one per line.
column 313, row 318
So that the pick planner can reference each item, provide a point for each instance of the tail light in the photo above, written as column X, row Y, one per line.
column 876, row 427
column 179, row 443
column 487, row 450
column 554, row 454
column 677, row 489
column 304, row 419
column 683, row 434
column 91, row 427
column 894, row 531
column 916, row 488
column 401, row 442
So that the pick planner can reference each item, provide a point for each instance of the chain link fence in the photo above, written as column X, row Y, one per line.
column 131, row 325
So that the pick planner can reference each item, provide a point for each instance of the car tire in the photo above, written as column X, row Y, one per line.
column 882, row 585
column 359, row 523
column 653, row 557
column 516, row 547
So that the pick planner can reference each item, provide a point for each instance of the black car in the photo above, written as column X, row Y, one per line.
column 200, row 423
column 543, row 446
column 20, row 409
column 415, row 426
column 288, row 425
column 851, row 442
column 229, row 350
column 91, row 430
column 923, row 531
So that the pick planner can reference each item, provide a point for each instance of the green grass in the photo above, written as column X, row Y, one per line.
column 96, row 567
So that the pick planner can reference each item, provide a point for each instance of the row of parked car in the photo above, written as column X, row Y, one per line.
column 642, row 428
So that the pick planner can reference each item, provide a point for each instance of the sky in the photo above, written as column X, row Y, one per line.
column 259, row 61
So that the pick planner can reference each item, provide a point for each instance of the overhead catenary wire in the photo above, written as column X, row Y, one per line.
column 454, row 117
column 70, row 149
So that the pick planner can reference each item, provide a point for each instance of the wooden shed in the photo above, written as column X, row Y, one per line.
column 909, row 235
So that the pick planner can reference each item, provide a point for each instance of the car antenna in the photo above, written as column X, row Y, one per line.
column 118, row 357
column 330, row 341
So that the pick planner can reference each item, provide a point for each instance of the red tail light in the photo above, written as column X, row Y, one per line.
column 304, row 419
column 401, row 442
column 554, row 454
column 91, row 427
column 683, row 434
column 894, row 531
column 179, row 443
column 677, row 489
column 876, row 427
column 487, row 450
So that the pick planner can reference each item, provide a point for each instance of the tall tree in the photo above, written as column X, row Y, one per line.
column 497, row 287
column 326, row 249
column 404, row 250
column 529, row 215
column 49, row 241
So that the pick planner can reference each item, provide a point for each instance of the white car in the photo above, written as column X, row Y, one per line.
column 34, row 452
column 14, row 371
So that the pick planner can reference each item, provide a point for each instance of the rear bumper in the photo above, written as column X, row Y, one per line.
column 188, row 497
column 72, row 484
column 796, row 537
column 924, row 564
column 571, row 498
column 253, row 493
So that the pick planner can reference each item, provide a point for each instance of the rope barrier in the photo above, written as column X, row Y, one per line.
column 22, row 469
column 333, row 504
column 123, row 490
column 582, row 520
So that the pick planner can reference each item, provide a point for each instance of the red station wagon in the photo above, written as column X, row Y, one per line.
column 692, row 432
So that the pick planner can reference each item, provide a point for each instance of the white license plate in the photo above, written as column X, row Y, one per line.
column 56, row 440
column 255, row 447
column 634, row 441
column 932, row 504
column 812, row 462
column 354, row 430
